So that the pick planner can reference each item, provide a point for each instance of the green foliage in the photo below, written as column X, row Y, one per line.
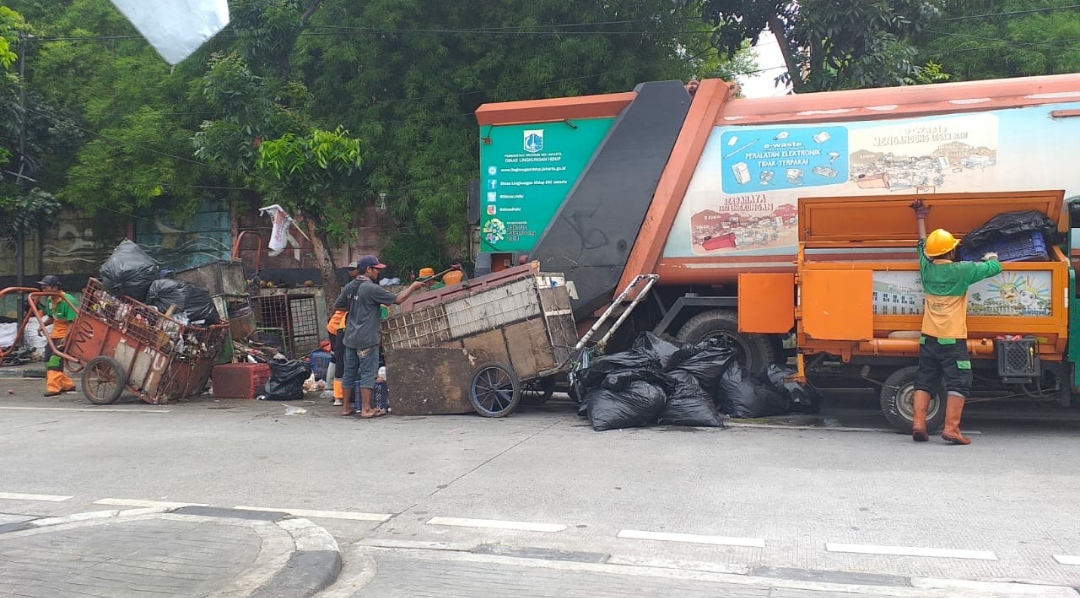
column 26, row 213
column 829, row 44
column 984, row 39
column 928, row 73
column 409, row 251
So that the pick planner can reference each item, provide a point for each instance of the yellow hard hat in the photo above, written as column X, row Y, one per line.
column 425, row 272
column 940, row 242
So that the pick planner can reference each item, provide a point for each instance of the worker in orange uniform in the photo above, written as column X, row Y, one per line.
column 426, row 273
column 60, row 314
column 454, row 276
column 943, row 351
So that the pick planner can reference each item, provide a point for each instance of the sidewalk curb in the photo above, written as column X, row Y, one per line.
column 313, row 565
column 15, row 371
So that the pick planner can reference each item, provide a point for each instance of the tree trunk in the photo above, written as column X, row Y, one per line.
column 319, row 244
column 776, row 26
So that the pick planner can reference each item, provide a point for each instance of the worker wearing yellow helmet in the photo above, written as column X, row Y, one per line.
column 943, row 349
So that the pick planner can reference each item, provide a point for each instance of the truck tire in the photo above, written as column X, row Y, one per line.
column 897, row 406
column 756, row 351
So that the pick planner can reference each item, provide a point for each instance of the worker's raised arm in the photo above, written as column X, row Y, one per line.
column 921, row 212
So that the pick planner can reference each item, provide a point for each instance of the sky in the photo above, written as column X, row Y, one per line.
column 771, row 63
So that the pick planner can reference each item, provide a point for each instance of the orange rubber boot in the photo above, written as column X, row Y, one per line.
column 921, row 405
column 953, row 410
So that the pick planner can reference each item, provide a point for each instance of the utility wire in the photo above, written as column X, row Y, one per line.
column 1013, row 13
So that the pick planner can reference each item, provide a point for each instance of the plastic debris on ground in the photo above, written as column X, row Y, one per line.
column 129, row 271
column 290, row 410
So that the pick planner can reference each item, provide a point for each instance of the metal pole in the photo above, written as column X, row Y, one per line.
column 20, row 237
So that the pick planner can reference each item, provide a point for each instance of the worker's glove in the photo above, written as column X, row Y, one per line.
column 990, row 257
column 921, row 209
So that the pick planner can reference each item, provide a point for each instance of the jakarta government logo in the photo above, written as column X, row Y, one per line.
column 534, row 141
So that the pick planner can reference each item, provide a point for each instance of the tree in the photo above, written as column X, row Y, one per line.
column 983, row 39
column 829, row 44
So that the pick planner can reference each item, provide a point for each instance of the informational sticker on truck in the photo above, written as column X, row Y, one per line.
column 743, row 196
column 1018, row 294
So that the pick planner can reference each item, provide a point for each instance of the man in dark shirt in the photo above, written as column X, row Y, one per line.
column 362, row 299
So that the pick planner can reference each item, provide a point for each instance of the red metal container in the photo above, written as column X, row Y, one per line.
column 239, row 380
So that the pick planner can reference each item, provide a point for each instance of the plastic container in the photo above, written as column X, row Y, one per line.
column 1017, row 248
column 380, row 396
column 320, row 360
column 239, row 380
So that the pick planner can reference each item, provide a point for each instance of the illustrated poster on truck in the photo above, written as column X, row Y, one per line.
column 743, row 196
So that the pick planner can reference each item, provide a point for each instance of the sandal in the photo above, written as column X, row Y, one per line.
column 378, row 413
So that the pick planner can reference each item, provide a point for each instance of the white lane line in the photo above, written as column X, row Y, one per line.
column 134, row 502
column 73, row 518
column 41, row 497
column 633, row 534
column 523, row 526
column 1065, row 559
column 351, row 515
column 978, row 555
column 93, row 410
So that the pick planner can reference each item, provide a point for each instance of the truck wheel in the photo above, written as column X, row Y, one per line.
column 897, row 402
column 755, row 351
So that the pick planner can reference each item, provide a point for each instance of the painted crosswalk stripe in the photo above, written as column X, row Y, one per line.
column 1065, row 559
column 134, row 502
column 948, row 553
column 351, row 515
column 523, row 526
column 633, row 534
column 41, row 497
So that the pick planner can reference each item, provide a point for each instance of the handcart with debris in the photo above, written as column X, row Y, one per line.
column 476, row 346
column 118, row 342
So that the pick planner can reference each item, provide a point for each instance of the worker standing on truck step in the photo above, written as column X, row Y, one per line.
column 943, row 345
column 60, row 314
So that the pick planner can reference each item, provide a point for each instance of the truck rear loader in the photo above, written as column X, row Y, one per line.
column 783, row 223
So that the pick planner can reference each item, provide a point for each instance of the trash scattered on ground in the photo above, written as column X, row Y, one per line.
column 290, row 410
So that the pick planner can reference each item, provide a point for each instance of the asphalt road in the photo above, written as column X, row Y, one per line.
column 838, row 495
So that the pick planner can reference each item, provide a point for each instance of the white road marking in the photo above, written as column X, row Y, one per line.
column 41, row 497
column 73, row 518
column 92, row 410
column 134, row 502
column 633, row 534
column 1065, row 559
column 524, row 526
column 948, row 553
column 351, row 515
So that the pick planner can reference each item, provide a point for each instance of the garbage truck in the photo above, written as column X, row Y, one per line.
column 783, row 223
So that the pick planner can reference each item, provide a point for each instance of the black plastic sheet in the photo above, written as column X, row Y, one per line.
column 1012, row 223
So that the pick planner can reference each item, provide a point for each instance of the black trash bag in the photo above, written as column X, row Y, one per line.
column 191, row 301
column 638, row 404
column 286, row 381
column 707, row 361
column 625, row 363
column 667, row 354
column 129, row 271
column 1012, row 223
column 740, row 395
column 802, row 398
column 689, row 404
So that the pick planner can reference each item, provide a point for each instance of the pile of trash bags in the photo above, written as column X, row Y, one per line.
column 286, row 381
column 131, row 272
column 660, row 382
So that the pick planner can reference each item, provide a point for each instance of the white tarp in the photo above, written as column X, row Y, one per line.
column 279, row 237
column 176, row 28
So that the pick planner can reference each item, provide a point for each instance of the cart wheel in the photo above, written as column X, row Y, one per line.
column 103, row 381
column 495, row 390
column 537, row 391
